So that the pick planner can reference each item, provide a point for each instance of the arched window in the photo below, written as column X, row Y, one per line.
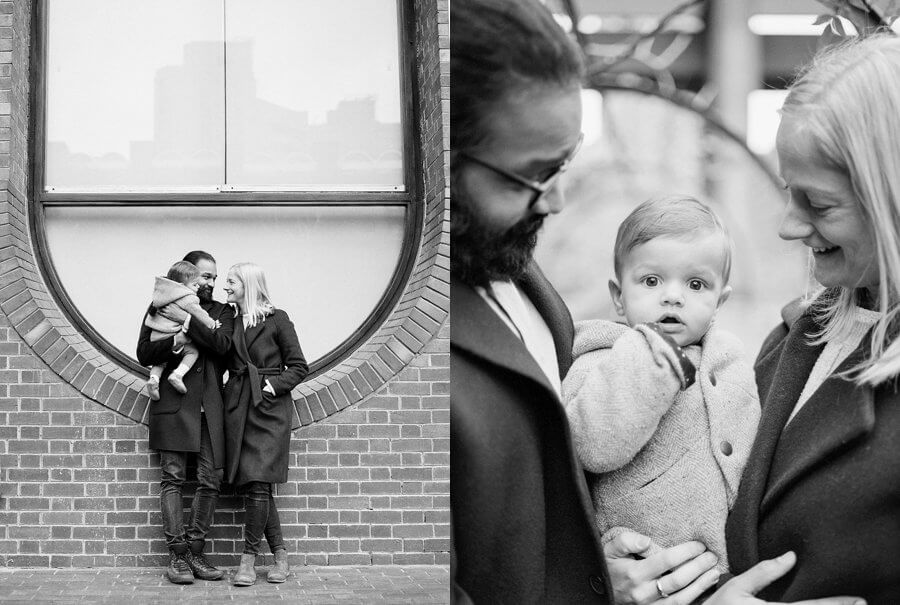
column 308, row 136
column 276, row 131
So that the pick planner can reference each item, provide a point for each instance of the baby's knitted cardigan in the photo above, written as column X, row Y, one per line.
column 665, row 462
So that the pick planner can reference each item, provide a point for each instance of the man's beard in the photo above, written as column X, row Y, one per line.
column 479, row 254
column 204, row 293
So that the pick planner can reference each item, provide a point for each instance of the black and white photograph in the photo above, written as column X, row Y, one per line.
column 675, row 250
column 224, row 317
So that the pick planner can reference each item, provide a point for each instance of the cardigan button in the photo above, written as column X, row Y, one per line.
column 712, row 378
column 726, row 448
column 597, row 584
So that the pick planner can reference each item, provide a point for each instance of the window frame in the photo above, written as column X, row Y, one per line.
column 412, row 199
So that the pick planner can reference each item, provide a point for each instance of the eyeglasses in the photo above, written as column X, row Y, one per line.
column 538, row 188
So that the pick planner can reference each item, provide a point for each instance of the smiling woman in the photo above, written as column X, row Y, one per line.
column 824, row 212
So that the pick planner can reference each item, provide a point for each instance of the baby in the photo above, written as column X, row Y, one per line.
column 664, row 410
column 178, row 287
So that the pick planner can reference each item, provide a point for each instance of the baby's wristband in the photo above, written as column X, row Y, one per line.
column 687, row 367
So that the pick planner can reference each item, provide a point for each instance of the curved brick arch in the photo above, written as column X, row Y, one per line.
column 415, row 320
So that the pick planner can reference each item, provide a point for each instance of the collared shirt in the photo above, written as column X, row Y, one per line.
column 522, row 317
column 835, row 353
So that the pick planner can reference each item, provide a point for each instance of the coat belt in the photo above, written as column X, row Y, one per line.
column 255, row 373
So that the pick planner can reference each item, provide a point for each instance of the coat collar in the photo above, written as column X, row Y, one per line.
column 478, row 330
column 251, row 332
column 554, row 311
column 838, row 412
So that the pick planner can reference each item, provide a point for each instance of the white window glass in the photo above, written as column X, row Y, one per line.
column 313, row 95
column 134, row 95
column 327, row 267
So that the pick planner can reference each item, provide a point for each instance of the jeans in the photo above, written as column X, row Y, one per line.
column 174, row 470
column 261, row 518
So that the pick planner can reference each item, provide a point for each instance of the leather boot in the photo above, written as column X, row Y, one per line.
column 179, row 572
column 246, row 573
column 280, row 571
column 200, row 567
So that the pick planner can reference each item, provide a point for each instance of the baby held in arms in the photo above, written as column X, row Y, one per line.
column 664, row 410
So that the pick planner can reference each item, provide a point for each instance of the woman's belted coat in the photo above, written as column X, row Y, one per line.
column 258, row 424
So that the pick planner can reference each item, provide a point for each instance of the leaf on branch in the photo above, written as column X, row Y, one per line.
column 827, row 38
column 837, row 27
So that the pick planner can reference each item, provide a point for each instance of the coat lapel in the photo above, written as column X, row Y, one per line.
column 556, row 315
column 838, row 413
column 251, row 332
column 478, row 330
column 781, row 377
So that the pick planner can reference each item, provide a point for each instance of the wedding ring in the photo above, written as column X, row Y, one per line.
column 662, row 593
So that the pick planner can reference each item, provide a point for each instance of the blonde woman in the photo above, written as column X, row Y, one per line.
column 823, row 479
column 265, row 364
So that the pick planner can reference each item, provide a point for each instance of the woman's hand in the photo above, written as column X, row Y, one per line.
column 173, row 312
column 740, row 589
column 641, row 581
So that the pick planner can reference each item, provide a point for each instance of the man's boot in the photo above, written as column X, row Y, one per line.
column 178, row 571
column 280, row 571
column 200, row 567
column 246, row 573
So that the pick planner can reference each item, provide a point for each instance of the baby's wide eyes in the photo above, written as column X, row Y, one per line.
column 696, row 285
column 651, row 281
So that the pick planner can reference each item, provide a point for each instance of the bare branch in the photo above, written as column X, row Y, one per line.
column 632, row 46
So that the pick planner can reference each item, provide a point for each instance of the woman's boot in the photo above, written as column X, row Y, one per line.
column 280, row 571
column 246, row 573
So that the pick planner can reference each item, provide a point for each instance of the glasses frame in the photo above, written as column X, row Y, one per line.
column 538, row 188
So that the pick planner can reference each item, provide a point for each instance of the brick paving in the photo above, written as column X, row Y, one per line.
column 364, row 584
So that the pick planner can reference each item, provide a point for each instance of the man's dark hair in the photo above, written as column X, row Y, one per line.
column 499, row 47
column 198, row 255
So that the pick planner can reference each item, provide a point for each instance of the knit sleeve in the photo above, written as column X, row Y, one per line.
column 191, row 304
column 615, row 397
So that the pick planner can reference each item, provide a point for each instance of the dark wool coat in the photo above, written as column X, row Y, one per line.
column 257, row 424
column 827, row 486
column 522, row 523
column 175, row 418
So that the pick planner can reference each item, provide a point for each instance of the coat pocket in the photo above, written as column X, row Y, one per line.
column 165, row 406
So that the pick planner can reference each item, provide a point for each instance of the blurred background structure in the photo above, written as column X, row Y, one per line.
column 683, row 97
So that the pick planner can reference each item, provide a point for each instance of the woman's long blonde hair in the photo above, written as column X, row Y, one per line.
column 256, row 304
column 848, row 99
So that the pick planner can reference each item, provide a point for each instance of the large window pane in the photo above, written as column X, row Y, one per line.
column 134, row 95
column 327, row 267
column 313, row 94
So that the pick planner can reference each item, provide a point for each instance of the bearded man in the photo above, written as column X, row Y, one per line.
column 190, row 423
column 521, row 514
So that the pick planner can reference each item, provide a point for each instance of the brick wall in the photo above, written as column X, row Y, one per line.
column 79, row 486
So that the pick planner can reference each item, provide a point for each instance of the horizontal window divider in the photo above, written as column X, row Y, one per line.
column 244, row 199
column 229, row 189
column 304, row 188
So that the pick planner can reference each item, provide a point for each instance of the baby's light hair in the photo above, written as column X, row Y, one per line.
column 675, row 216
column 183, row 272
column 848, row 100
column 256, row 303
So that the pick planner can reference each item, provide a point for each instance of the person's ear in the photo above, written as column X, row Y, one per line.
column 726, row 292
column 615, row 293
